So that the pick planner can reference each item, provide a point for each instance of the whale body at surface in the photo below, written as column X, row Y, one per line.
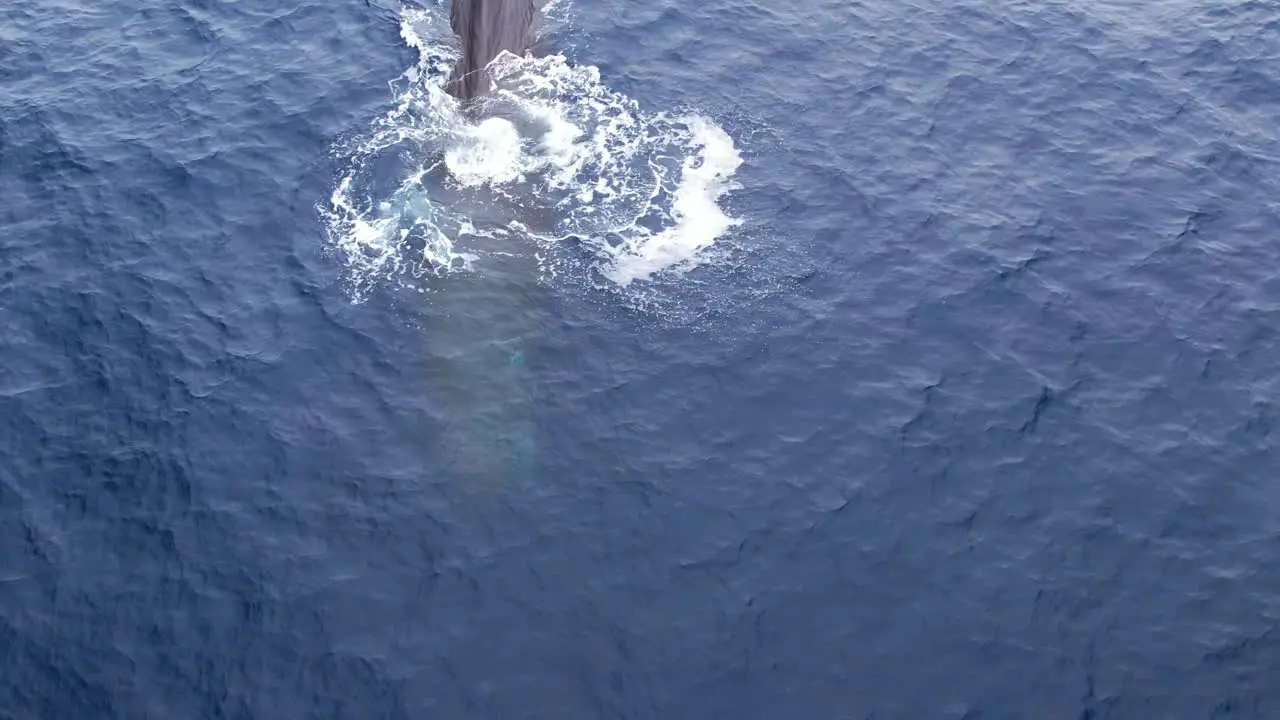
column 486, row 29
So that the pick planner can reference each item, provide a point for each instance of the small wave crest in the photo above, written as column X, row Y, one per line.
column 558, row 156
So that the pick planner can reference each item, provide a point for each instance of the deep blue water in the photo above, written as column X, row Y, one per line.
column 970, row 417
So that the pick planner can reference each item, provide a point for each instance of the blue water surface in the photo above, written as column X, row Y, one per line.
column 971, row 417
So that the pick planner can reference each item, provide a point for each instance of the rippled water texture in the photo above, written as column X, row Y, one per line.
column 946, row 389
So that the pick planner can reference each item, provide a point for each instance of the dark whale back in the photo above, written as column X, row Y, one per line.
column 486, row 28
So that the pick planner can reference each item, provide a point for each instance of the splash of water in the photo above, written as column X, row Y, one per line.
column 560, row 156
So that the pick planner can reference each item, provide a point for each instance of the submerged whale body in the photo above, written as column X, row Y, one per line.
column 482, row 325
column 486, row 29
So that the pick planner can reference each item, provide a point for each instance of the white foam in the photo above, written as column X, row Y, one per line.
column 560, row 156
column 697, row 219
column 488, row 153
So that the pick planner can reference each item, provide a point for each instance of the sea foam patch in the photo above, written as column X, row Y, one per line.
column 556, row 156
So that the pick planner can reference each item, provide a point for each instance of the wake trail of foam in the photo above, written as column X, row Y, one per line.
column 559, row 156
column 697, row 219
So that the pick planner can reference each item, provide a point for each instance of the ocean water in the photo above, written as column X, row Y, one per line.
column 739, row 360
